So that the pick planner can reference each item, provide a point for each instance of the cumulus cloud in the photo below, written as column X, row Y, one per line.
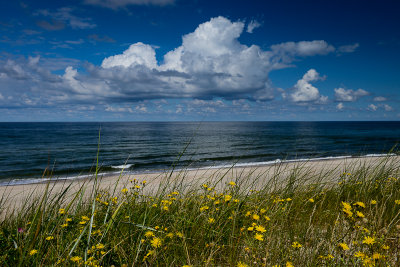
column 138, row 54
column 344, row 95
column 61, row 17
column 115, row 4
column 252, row 26
column 340, row 106
column 304, row 91
column 380, row 99
column 210, row 63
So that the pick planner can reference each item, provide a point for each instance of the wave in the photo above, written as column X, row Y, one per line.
column 26, row 181
column 123, row 166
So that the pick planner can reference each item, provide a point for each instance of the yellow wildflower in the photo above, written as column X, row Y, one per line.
column 232, row 183
column 137, row 186
column 241, row 264
column 64, row 225
column 262, row 211
column 99, row 246
column 165, row 208
column 170, row 235
column 397, row 201
column 76, row 259
column 360, row 214
column 385, row 247
column 49, row 238
column 82, row 222
column 346, row 205
column 156, row 242
column 373, row 202
column 344, row 246
column 260, row 228
column 251, row 228
column 311, row 200
column 179, row 234
column 85, row 218
column 267, row 218
column 296, row 245
column 288, row 199
column 204, row 208
column 289, row 264
column 227, row 198
column 124, row 190
column 247, row 214
column 360, row 204
column 144, row 182
column 211, row 220
column 376, row 256
column 359, row 254
column 368, row 240
column 61, row 211
column 205, row 186
column 259, row 237
column 149, row 234
column 33, row 252
column 256, row 217
column 68, row 220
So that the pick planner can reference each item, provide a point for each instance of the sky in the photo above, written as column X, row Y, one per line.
column 199, row 60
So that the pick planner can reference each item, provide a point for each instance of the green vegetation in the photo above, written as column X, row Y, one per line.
column 298, row 219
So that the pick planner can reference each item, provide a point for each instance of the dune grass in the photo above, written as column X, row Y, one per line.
column 301, row 218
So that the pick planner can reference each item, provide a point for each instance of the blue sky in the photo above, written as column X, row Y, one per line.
column 172, row 60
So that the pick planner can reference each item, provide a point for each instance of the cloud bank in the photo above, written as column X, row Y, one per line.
column 210, row 63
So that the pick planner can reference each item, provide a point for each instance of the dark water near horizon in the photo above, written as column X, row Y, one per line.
column 70, row 149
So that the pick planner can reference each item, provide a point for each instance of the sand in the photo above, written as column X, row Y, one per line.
column 327, row 171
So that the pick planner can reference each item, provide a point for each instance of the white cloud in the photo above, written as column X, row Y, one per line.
column 1, row 97
column 372, row 107
column 136, row 54
column 252, row 26
column 303, row 91
column 141, row 108
column 344, row 95
column 380, row 99
column 210, row 63
column 340, row 106
column 348, row 48
column 289, row 50
column 119, row 109
column 387, row 107
column 115, row 4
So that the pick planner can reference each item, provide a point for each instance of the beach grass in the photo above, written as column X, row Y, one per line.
column 300, row 218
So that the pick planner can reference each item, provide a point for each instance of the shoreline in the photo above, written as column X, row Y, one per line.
column 13, row 197
column 119, row 169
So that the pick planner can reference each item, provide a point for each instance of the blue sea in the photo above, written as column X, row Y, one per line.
column 69, row 150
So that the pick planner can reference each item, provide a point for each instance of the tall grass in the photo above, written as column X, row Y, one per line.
column 280, row 217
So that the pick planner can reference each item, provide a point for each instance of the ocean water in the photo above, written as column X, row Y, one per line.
column 69, row 150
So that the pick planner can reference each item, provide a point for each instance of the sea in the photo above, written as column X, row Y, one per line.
column 32, row 152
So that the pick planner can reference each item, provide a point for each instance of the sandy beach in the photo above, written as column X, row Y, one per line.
column 253, row 177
